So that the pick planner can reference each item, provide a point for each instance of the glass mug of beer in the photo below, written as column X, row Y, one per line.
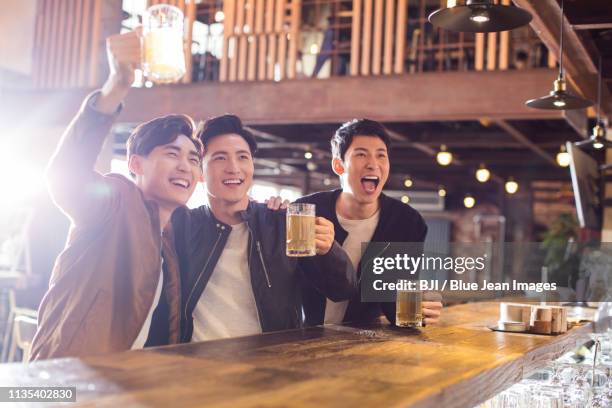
column 301, row 230
column 163, row 52
column 409, row 308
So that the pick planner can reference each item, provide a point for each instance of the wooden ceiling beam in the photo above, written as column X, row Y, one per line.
column 399, row 98
column 578, row 63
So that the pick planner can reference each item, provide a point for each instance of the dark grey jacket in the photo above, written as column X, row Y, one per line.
column 276, row 279
column 398, row 222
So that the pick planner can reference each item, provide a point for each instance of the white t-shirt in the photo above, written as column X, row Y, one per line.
column 227, row 306
column 359, row 231
column 141, row 339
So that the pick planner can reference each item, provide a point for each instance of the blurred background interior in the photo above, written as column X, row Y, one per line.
column 467, row 153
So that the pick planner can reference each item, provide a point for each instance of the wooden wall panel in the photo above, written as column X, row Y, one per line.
column 389, row 25
column 366, row 45
column 378, row 31
column 67, row 42
column 355, row 37
column 400, row 36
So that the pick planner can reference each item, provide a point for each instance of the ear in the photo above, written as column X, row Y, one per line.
column 135, row 164
column 338, row 166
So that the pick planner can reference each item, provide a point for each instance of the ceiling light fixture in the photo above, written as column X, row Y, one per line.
column 511, row 186
column 559, row 98
column 469, row 201
column 598, row 136
column 444, row 157
column 480, row 16
column 563, row 157
column 483, row 174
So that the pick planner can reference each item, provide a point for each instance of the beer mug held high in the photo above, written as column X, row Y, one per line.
column 301, row 230
column 163, row 51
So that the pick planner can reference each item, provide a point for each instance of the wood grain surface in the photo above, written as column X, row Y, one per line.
column 456, row 364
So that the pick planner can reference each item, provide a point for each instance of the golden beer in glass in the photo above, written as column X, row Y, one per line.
column 301, row 230
column 163, row 52
column 409, row 308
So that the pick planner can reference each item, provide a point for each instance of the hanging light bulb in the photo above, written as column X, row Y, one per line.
column 441, row 191
column 308, row 155
column 479, row 16
column 219, row 16
column 559, row 98
column 483, row 174
column 563, row 157
column 598, row 136
column 405, row 199
column 469, row 201
column 444, row 157
column 408, row 182
column 511, row 186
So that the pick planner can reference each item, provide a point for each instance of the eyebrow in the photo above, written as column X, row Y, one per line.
column 363, row 149
column 178, row 150
column 225, row 152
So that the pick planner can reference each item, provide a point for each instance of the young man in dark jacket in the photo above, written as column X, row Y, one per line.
column 236, row 276
column 116, row 285
column 360, row 212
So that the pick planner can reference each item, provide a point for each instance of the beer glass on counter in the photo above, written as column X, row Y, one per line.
column 408, row 308
column 163, row 53
column 301, row 230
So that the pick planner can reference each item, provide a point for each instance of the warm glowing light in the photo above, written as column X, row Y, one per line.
column 405, row 199
column 19, row 179
column 314, row 48
column 598, row 145
column 563, row 157
column 408, row 183
column 326, row 181
column 479, row 18
column 483, row 174
column 442, row 192
column 308, row 155
column 469, row 201
column 219, row 16
column 311, row 166
column 444, row 157
column 511, row 186
column 559, row 103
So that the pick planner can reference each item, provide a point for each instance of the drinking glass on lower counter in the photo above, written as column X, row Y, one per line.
column 409, row 308
column 301, row 230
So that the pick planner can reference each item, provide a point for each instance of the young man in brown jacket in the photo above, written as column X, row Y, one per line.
column 116, row 285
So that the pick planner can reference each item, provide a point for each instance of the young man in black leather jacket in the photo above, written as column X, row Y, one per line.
column 236, row 278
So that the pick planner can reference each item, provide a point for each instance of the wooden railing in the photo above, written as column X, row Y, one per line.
column 284, row 39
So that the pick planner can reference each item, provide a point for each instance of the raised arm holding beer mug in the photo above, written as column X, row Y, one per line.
column 116, row 285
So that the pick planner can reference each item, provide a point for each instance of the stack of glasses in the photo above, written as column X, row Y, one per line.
column 580, row 379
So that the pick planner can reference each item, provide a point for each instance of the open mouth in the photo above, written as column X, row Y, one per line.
column 233, row 182
column 370, row 183
column 180, row 182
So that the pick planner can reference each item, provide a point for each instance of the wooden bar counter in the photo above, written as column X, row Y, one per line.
column 459, row 363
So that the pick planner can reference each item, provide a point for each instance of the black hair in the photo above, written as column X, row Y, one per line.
column 224, row 125
column 161, row 131
column 343, row 137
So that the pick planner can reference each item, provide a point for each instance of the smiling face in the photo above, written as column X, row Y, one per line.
column 365, row 168
column 228, row 169
column 169, row 174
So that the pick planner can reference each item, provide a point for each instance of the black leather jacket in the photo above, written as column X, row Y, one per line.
column 276, row 279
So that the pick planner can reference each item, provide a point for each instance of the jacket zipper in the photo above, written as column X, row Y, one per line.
column 263, row 264
column 200, row 275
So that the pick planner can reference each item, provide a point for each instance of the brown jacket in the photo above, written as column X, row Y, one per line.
column 103, row 283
